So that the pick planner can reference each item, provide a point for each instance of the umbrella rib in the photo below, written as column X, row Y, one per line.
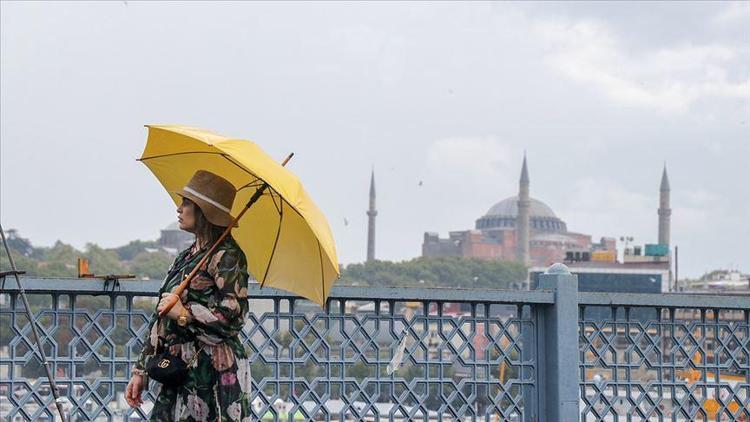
column 275, row 242
column 229, row 158
column 257, row 178
column 270, row 186
column 254, row 184
column 281, row 201
column 178, row 153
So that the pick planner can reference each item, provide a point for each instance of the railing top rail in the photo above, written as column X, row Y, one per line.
column 87, row 286
column 665, row 300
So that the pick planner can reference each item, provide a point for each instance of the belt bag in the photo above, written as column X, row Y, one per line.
column 169, row 369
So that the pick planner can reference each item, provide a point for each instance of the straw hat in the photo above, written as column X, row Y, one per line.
column 213, row 194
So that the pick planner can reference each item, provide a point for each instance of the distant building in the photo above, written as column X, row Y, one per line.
column 173, row 239
column 721, row 281
column 521, row 228
column 525, row 229
column 615, row 276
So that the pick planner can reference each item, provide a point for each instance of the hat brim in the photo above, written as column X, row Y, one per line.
column 213, row 214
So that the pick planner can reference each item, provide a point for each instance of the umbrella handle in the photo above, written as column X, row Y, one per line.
column 172, row 299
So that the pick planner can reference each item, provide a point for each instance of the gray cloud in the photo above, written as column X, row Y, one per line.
column 600, row 95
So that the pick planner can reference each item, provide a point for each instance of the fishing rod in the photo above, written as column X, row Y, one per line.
column 15, row 273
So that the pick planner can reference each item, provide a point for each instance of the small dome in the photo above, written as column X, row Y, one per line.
column 508, row 207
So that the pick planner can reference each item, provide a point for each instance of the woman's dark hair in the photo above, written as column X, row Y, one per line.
column 204, row 229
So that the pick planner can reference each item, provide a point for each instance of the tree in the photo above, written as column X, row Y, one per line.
column 152, row 265
column 436, row 272
column 103, row 261
column 23, row 263
column 134, row 248
column 59, row 252
column 18, row 243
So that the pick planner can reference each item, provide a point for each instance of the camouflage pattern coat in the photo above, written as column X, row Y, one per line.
column 218, row 383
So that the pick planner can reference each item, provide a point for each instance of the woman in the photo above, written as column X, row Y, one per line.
column 206, row 319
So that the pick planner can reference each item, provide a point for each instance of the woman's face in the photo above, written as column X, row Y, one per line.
column 186, row 215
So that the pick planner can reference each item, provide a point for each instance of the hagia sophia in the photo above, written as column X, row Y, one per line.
column 501, row 233
column 525, row 229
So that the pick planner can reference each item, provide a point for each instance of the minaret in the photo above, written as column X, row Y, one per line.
column 371, row 213
column 664, row 211
column 522, row 223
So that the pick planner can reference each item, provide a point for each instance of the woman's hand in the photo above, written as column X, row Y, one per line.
column 176, row 310
column 133, row 391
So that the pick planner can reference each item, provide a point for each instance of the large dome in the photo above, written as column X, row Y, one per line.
column 504, row 214
column 508, row 207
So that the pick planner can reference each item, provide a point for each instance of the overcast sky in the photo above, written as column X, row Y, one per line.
column 599, row 95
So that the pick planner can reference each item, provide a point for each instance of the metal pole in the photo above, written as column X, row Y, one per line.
column 51, row 379
column 558, row 331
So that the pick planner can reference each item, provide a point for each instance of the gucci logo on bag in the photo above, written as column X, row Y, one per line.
column 163, row 363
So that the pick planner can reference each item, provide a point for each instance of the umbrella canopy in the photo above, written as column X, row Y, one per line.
column 285, row 237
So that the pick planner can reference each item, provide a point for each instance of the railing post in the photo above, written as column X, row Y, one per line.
column 558, row 332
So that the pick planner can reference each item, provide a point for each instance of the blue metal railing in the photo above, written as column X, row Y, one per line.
column 664, row 357
column 405, row 353
column 465, row 353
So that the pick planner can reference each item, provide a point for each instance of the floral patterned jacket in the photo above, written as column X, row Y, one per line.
column 217, row 299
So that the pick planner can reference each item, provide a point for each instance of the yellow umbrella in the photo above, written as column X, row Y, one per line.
column 285, row 237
